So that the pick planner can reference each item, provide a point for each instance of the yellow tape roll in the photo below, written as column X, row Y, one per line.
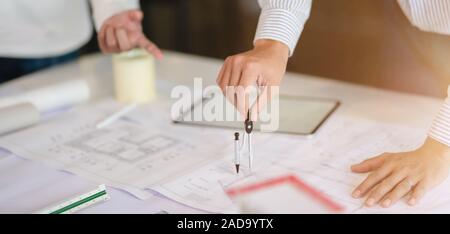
column 134, row 76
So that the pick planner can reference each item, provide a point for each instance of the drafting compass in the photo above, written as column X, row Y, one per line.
column 239, row 147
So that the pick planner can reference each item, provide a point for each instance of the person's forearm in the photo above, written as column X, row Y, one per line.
column 440, row 130
column 103, row 9
column 283, row 21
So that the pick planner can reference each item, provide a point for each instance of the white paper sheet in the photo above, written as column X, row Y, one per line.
column 324, row 162
column 125, row 155
column 28, row 186
column 193, row 165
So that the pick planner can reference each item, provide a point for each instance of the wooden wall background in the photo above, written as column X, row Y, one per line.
column 368, row 42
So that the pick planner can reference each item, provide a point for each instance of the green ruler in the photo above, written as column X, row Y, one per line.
column 79, row 202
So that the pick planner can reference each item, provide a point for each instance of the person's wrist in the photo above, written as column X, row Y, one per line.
column 274, row 46
column 432, row 146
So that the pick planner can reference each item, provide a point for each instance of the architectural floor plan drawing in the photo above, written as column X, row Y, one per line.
column 126, row 155
column 127, row 144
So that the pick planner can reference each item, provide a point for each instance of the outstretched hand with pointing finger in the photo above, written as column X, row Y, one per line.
column 123, row 32
column 407, row 175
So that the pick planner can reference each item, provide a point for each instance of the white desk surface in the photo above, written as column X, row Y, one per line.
column 27, row 186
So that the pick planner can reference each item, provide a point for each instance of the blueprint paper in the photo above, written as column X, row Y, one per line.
column 194, row 165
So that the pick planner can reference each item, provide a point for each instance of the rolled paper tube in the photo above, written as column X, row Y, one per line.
column 134, row 76
column 17, row 116
column 52, row 96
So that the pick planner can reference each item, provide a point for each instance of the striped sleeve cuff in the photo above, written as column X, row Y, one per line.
column 283, row 25
column 440, row 130
column 430, row 15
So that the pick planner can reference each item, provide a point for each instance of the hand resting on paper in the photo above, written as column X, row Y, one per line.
column 398, row 175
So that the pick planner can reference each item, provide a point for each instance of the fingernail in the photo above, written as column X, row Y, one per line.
column 356, row 194
column 412, row 201
column 386, row 203
column 354, row 167
column 370, row 202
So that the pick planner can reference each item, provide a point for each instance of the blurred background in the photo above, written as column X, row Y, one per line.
column 369, row 42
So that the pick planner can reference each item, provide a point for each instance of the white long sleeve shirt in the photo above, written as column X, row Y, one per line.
column 44, row 28
column 283, row 20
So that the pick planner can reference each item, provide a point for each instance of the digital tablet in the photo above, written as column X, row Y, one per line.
column 298, row 115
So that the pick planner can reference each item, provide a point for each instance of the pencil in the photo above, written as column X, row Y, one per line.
column 114, row 117
column 236, row 152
